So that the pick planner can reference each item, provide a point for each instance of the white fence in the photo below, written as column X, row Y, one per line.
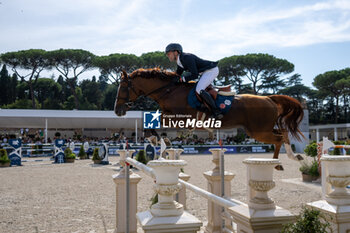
column 260, row 214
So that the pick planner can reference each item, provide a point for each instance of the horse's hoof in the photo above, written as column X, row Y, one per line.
column 279, row 168
column 299, row 157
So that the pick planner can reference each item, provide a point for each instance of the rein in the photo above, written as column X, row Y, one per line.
column 130, row 87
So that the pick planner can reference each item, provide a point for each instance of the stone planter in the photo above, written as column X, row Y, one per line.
column 5, row 164
column 70, row 160
column 167, row 184
column 308, row 178
column 97, row 161
column 335, row 178
column 260, row 181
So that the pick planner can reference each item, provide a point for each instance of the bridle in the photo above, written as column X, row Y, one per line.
column 131, row 87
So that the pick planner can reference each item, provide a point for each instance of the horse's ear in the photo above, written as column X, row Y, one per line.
column 124, row 74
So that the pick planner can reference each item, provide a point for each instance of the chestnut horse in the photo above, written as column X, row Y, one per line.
column 267, row 119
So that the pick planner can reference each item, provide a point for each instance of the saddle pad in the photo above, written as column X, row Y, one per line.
column 222, row 102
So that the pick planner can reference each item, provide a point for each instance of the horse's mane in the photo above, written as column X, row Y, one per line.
column 153, row 73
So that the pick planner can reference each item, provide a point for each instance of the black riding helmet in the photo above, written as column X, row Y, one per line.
column 173, row 47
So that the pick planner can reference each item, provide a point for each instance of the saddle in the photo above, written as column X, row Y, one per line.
column 215, row 90
column 223, row 97
column 221, row 90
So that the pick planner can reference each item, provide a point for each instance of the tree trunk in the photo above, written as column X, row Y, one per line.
column 76, row 99
column 32, row 94
column 336, row 109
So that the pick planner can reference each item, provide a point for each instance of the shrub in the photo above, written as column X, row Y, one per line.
column 309, row 220
column 337, row 151
column 95, row 155
column 311, row 149
column 310, row 169
column 68, row 154
column 82, row 153
column 141, row 157
column 3, row 156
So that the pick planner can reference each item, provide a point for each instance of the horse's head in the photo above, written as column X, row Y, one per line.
column 147, row 82
column 125, row 95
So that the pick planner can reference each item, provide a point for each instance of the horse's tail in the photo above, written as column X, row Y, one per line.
column 290, row 114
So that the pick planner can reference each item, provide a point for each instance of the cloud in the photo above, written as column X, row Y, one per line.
column 139, row 26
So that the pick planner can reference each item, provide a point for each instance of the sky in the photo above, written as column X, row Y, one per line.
column 313, row 35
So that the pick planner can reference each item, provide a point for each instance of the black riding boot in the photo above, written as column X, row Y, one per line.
column 211, row 103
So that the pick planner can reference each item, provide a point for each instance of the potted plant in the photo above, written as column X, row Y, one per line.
column 69, row 156
column 82, row 154
column 309, row 220
column 309, row 170
column 141, row 157
column 96, row 157
column 4, row 159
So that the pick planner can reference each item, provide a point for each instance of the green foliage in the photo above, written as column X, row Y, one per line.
column 3, row 156
column 333, row 84
column 82, row 153
column 156, row 59
column 308, row 221
column 68, row 154
column 154, row 199
column 264, row 71
column 310, row 168
column 240, row 137
column 141, row 157
column 250, row 73
column 337, row 151
column 311, row 149
column 95, row 155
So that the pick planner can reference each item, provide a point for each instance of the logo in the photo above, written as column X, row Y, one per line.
column 151, row 120
column 227, row 102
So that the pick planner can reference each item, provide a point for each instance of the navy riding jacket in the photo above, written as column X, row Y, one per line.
column 194, row 65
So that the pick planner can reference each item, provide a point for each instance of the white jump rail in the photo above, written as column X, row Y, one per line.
column 260, row 212
column 212, row 197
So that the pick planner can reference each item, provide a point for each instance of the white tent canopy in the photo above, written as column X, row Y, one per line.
column 68, row 119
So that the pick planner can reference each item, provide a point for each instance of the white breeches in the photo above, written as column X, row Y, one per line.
column 206, row 79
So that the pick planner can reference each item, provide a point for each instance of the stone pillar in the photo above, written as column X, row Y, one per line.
column 167, row 215
column 182, row 193
column 261, row 214
column 119, row 180
column 214, row 186
column 335, row 178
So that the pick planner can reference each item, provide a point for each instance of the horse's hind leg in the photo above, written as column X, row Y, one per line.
column 275, row 138
column 288, row 148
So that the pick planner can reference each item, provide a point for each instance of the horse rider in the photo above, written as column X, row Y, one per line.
column 195, row 66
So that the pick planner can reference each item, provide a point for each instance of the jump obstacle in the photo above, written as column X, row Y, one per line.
column 16, row 155
column 260, row 214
